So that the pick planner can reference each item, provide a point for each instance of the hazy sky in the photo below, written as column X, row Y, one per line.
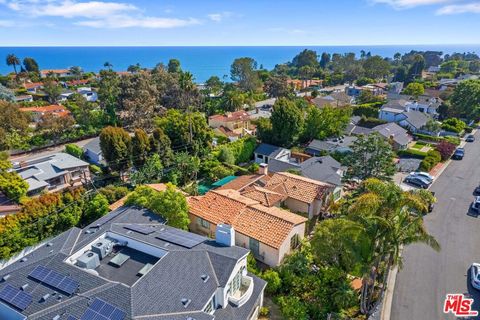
column 239, row 22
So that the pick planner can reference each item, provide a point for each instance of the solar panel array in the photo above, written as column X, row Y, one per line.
column 54, row 279
column 141, row 229
column 101, row 310
column 182, row 238
column 16, row 297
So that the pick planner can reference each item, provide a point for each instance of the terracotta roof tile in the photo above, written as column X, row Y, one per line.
column 242, row 182
column 266, row 197
column 270, row 226
column 297, row 187
column 231, row 116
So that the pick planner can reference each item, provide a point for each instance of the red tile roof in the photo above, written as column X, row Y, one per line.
column 297, row 187
column 266, row 197
column 57, row 109
column 31, row 85
column 57, row 71
column 231, row 116
column 270, row 226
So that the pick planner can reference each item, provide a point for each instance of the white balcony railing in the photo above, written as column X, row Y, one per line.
column 244, row 293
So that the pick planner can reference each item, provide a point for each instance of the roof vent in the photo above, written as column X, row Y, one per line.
column 24, row 286
column 205, row 277
column 57, row 317
column 59, row 297
column 186, row 302
column 24, row 259
column 49, row 244
column 6, row 277
column 45, row 297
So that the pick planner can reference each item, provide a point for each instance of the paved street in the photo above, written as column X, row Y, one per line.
column 48, row 151
column 427, row 276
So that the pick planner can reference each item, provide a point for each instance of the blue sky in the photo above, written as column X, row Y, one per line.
column 238, row 22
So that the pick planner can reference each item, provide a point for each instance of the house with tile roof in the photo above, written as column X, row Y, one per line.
column 38, row 112
column 57, row 72
column 302, row 194
column 260, row 225
column 130, row 265
column 233, row 125
column 53, row 172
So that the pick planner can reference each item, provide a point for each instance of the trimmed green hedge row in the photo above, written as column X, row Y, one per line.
column 412, row 153
column 431, row 160
column 454, row 140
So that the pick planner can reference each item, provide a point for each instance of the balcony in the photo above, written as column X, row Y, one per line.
column 244, row 293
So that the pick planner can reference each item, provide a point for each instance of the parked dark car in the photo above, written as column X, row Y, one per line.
column 470, row 138
column 476, row 204
column 459, row 154
column 417, row 181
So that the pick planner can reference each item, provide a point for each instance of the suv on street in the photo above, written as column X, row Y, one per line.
column 459, row 154
column 470, row 138
column 476, row 204
column 418, row 181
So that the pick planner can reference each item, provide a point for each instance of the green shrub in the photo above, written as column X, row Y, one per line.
column 226, row 155
column 468, row 129
column 253, row 168
column 243, row 149
column 113, row 193
column 453, row 125
column 414, row 153
column 264, row 311
column 274, row 282
column 370, row 122
column 74, row 150
column 431, row 160
column 95, row 169
column 365, row 110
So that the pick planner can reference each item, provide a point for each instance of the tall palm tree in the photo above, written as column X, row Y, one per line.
column 391, row 217
column 12, row 60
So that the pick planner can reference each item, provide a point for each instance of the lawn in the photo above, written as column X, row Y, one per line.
column 419, row 145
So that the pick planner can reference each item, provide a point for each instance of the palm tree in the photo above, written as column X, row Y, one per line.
column 108, row 65
column 12, row 60
column 390, row 216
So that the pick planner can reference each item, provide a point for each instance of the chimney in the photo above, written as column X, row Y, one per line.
column 225, row 235
column 263, row 169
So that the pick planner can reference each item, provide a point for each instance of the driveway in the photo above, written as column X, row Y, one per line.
column 427, row 276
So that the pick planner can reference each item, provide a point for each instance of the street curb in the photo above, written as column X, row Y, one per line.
column 392, row 275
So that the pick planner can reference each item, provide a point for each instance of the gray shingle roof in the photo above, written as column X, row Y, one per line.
column 268, row 150
column 94, row 146
column 416, row 118
column 393, row 130
column 323, row 169
column 157, row 294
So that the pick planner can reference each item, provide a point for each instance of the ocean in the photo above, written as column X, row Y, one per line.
column 202, row 62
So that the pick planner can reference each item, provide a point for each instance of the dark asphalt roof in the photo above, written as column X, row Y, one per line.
column 268, row 150
column 393, row 130
column 94, row 146
column 156, row 295
column 323, row 169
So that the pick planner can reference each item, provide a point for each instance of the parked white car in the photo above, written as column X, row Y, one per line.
column 422, row 174
column 475, row 275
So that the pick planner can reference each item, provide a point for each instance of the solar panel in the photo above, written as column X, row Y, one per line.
column 16, row 297
column 181, row 238
column 101, row 310
column 100, row 222
column 54, row 279
column 141, row 229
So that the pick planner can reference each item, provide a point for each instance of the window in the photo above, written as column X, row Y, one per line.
column 337, row 195
column 254, row 246
column 294, row 241
column 236, row 282
column 204, row 223
column 210, row 306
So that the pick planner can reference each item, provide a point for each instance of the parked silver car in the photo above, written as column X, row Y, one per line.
column 475, row 275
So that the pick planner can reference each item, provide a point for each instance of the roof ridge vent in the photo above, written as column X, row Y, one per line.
column 45, row 297
column 24, row 286
column 186, row 302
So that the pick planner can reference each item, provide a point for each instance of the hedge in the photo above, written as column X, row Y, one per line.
column 431, row 160
column 451, row 139
column 243, row 149
column 412, row 153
